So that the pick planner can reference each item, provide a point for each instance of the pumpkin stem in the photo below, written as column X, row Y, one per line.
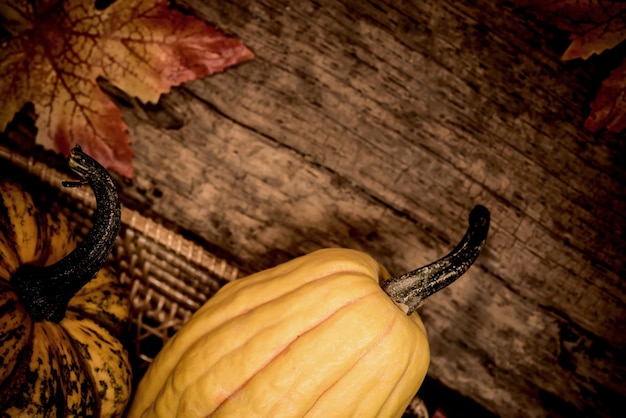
column 410, row 290
column 46, row 290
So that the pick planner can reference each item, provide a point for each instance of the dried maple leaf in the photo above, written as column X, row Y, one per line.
column 594, row 26
column 61, row 47
column 608, row 110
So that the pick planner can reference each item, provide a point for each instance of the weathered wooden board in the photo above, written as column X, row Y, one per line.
column 377, row 126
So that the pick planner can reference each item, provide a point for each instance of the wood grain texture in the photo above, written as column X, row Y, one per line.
column 377, row 126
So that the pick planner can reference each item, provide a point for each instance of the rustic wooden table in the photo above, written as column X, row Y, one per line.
column 377, row 126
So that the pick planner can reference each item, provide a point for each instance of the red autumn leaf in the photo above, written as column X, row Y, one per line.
column 594, row 26
column 609, row 108
column 61, row 47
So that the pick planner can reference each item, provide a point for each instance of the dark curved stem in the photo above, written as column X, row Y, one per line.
column 411, row 289
column 46, row 290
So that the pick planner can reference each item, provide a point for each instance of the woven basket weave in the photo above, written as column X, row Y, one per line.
column 169, row 277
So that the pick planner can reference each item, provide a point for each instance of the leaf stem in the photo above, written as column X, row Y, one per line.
column 46, row 290
column 411, row 289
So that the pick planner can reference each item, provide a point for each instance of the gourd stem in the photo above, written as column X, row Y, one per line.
column 411, row 289
column 46, row 290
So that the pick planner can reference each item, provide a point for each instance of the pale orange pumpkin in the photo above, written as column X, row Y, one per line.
column 318, row 336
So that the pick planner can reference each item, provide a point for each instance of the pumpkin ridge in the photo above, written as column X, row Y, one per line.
column 397, row 385
column 8, row 239
column 365, row 352
column 241, row 314
column 15, row 337
column 274, row 297
column 12, row 384
column 172, row 389
column 6, row 267
column 292, row 268
column 84, row 383
column 302, row 286
column 286, row 347
column 110, row 312
column 40, row 387
column 20, row 213
column 319, row 262
column 106, row 361
column 16, row 383
column 106, row 320
column 84, row 366
column 105, row 301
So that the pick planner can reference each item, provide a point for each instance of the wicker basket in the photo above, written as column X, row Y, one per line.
column 169, row 277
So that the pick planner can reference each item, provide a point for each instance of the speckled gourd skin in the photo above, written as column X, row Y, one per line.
column 76, row 366
column 316, row 336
